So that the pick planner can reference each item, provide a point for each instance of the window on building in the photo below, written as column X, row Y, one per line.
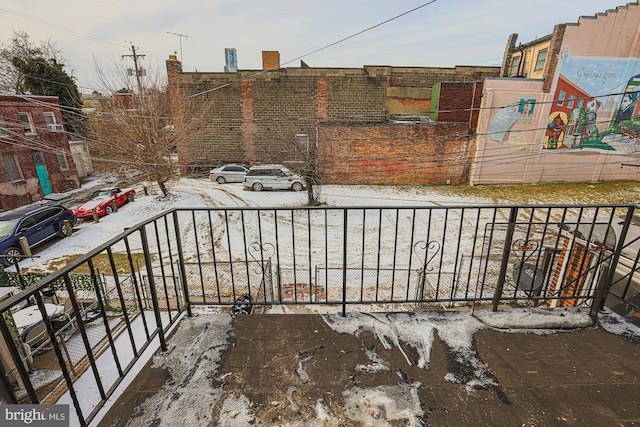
column 52, row 125
column 4, row 130
column 302, row 147
column 515, row 66
column 561, row 96
column 542, row 58
column 571, row 101
column 27, row 123
column 580, row 103
column 38, row 157
column 13, row 167
column 49, row 118
column 62, row 160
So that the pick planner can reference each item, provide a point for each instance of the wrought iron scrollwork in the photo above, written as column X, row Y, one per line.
column 527, row 276
column 420, row 246
column 525, row 246
column 261, row 251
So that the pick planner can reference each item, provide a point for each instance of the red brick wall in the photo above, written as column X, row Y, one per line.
column 573, row 276
column 460, row 102
column 394, row 154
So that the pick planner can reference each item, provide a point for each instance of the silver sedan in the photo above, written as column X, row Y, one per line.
column 228, row 173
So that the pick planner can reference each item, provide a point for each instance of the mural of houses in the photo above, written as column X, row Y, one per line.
column 585, row 80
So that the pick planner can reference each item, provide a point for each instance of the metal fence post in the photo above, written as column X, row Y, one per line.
column 183, row 273
column 344, row 263
column 152, row 288
column 513, row 216
column 603, row 286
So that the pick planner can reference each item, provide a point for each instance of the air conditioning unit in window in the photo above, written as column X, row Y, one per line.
column 55, row 128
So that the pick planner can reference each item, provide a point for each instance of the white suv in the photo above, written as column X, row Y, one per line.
column 273, row 177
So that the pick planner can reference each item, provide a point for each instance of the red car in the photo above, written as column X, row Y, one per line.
column 102, row 201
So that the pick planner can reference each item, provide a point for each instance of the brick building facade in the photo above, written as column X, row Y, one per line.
column 257, row 116
column 36, row 158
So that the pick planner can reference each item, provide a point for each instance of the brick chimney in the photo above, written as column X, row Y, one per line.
column 270, row 60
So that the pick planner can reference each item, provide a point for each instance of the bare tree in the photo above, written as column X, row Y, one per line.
column 301, row 156
column 308, row 167
column 135, row 130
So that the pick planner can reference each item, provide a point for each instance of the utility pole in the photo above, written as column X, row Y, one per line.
column 181, row 36
column 138, row 71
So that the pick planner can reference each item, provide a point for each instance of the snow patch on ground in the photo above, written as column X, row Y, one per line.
column 536, row 318
column 194, row 385
column 384, row 405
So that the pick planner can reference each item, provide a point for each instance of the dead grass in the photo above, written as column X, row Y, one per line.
column 612, row 192
column 100, row 262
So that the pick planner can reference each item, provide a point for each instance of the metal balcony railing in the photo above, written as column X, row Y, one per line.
column 129, row 292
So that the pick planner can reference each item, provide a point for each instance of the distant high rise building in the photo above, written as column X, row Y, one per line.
column 230, row 60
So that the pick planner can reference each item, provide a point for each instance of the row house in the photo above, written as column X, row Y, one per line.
column 36, row 158
column 96, row 102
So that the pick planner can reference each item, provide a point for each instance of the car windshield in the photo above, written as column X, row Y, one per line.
column 102, row 194
column 7, row 227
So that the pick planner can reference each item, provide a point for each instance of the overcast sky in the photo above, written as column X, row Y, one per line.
column 442, row 33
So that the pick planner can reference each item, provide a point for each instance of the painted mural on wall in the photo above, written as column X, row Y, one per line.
column 595, row 105
column 507, row 117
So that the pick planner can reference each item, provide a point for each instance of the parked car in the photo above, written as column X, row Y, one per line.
column 228, row 173
column 273, row 177
column 102, row 201
column 37, row 224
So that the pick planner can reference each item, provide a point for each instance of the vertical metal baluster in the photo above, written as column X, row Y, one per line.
column 513, row 217
column 213, row 254
column 183, row 273
column 395, row 252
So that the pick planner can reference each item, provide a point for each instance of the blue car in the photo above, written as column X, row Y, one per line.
column 36, row 223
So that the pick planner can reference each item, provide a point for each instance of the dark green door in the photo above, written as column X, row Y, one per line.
column 41, row 170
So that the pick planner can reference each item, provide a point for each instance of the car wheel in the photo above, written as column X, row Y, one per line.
column 64, row 232
column 296, row 186
column 256, row 186
column 10, row 255
column 221, row 180
column 130, row 197
column 108, row 210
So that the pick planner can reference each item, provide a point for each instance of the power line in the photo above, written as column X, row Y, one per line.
column 488, row 159
column 322, row 48
column 63, row 29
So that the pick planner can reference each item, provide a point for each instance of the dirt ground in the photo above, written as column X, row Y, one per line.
column 289, row 366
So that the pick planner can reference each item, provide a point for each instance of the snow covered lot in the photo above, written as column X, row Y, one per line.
column 204, row 193
column 189, row 192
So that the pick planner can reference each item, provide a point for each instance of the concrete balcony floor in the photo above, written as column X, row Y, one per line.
column 382, row 370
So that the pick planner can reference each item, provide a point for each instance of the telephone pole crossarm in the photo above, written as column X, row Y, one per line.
column 138, row 71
